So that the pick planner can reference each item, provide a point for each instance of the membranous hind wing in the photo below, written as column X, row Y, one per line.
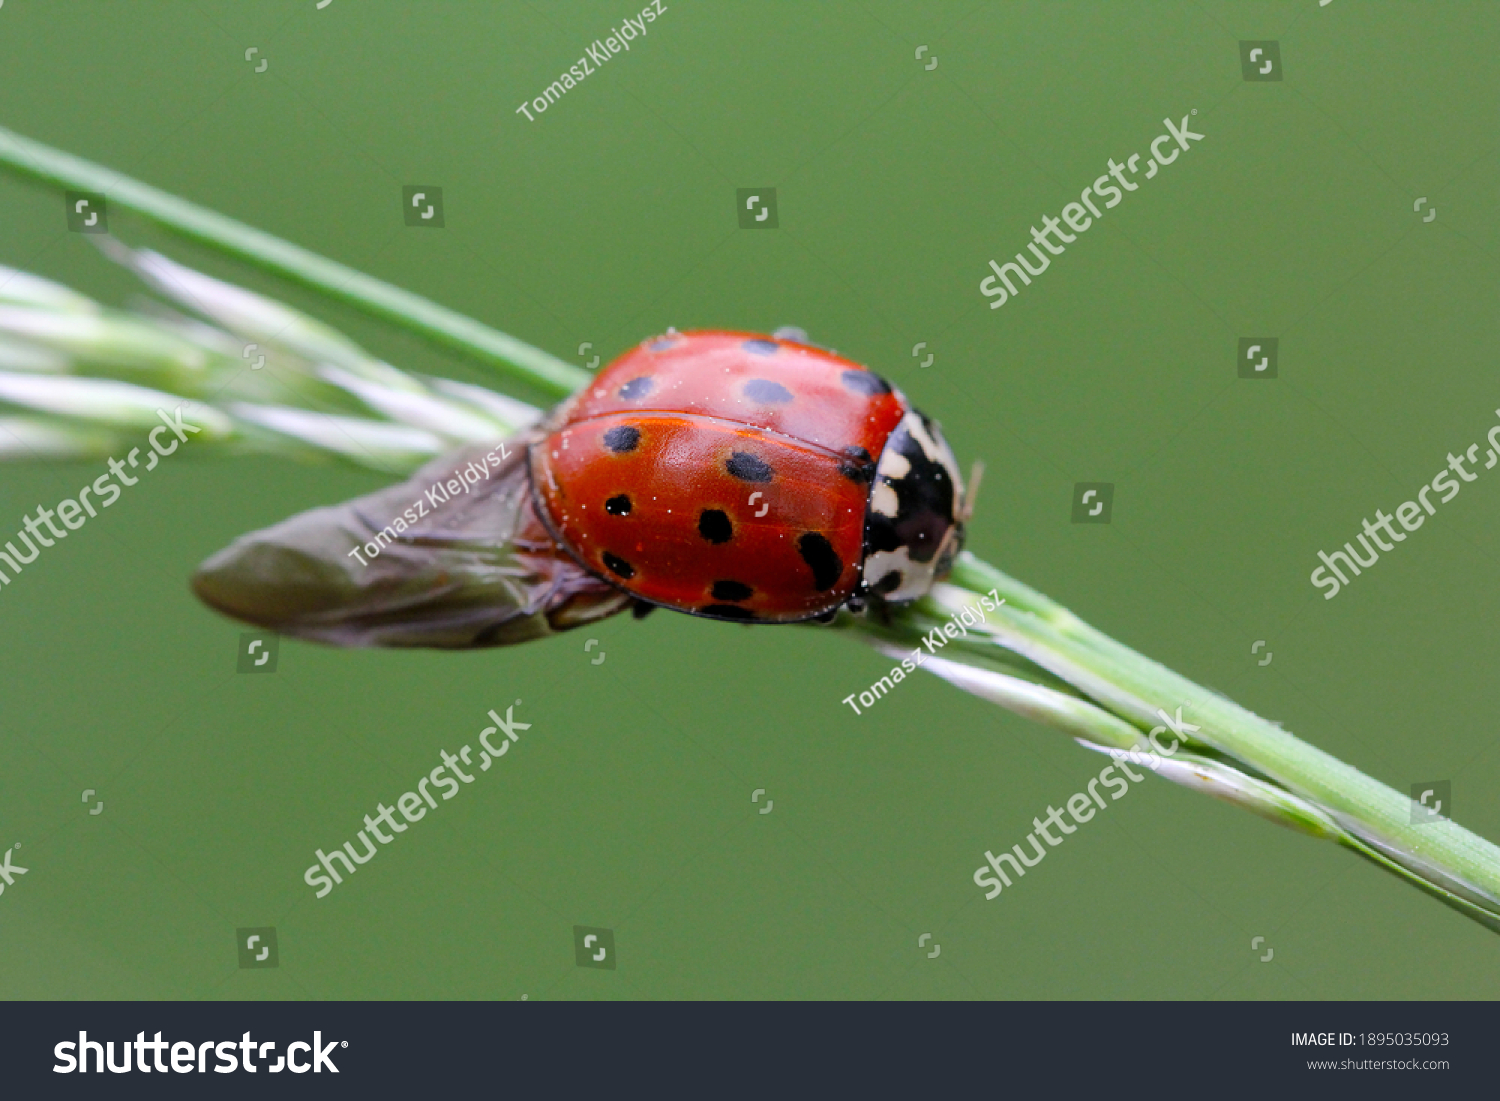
column 453, row 558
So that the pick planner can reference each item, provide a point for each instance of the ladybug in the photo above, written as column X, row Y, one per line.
column 728, row 475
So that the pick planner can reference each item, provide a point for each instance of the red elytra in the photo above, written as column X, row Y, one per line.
column 719, row 473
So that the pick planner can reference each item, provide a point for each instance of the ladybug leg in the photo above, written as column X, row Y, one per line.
column 875, row 608
column 640, row 610
column 797, row 335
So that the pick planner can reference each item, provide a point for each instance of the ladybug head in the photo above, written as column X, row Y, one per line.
column 914, row 526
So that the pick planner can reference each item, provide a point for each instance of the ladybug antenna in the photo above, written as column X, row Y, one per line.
column 971, row 493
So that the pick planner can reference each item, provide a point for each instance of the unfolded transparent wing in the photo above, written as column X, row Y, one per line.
column 452, row 558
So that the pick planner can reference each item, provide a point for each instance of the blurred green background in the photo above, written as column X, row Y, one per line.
column 628, row 805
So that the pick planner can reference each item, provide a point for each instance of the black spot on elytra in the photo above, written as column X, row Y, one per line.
column 767, row 392
column 714, row 526
column 760, row 347
column 865, row 382
column 889, row 583
column 732, row 590
column 823, row 560
column 636, row 388
column 622, row 438
column 747, row 468
column 618, row 505
column 857, row 466
column 726, row 611
column 619, row 566
column 924, row 503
